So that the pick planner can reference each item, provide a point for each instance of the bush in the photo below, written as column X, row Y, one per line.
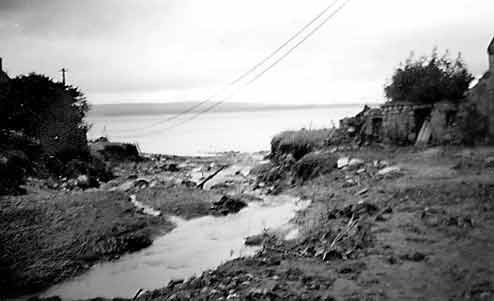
column 314, row 164
column 298, row 143
column 429, row 79
column 14, row 166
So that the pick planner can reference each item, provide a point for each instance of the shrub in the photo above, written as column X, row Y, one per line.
column 429, row 80
column 314, row 164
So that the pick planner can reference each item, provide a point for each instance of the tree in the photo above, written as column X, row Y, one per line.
column 429, row 79
column 40, row 108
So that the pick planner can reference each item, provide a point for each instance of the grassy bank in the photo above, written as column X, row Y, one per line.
column 50, row 236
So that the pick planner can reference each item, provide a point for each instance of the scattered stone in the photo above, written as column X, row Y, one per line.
column 144, row 208
column 355, row 162
column 342, row 162
column 390, row 170
column 83, row 181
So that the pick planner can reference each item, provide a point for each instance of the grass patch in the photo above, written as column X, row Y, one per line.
column 181, row 201
column 49, row 237
column 298, row 143
column 313, row 165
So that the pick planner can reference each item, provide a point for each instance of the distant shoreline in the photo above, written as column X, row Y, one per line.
column 127, row 109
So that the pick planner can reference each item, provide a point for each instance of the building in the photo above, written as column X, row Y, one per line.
column 482, row 94
column 3, row 76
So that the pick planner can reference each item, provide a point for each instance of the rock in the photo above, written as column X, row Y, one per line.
column 143, row 207
column 228, row 204
column 355, row 162
column 83, row 181
column 342, row 162
column 389, row 171
column 171, row 167
column 256, row 240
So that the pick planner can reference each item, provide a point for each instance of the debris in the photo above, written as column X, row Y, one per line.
column 360, row 192
column 141, row 183
column 424, row 134
column 201, row 185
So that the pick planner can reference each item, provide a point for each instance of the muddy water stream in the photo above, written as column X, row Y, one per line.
column 192, row 247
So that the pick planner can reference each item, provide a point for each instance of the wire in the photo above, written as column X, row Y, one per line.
column 242, row 76
column 270, row 66
column 255, row 78
column 299, row 43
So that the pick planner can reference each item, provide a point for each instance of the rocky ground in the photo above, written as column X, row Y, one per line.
column 385, row 224
column 392, row 225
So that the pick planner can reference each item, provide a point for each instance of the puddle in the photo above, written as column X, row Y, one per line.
column 191, row 248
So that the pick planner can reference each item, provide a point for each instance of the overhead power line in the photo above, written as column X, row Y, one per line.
column 272, row 65
column 242, row 76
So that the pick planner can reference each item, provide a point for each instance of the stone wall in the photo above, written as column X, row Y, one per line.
column 482, row 95
column 443, row 120
column 400, row 124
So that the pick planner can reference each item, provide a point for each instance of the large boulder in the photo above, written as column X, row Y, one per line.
column 227, row 205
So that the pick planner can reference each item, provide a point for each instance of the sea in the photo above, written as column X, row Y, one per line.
column 213, row 132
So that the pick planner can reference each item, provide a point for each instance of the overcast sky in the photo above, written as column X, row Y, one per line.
column 167, row 50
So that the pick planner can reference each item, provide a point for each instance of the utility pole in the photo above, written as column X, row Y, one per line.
column 63, row 70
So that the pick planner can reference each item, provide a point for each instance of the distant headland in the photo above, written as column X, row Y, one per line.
column 122, row 109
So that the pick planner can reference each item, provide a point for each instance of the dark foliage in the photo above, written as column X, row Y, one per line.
column 27, row 99
column 429, row 79
column 44, row 121
column 314, row 164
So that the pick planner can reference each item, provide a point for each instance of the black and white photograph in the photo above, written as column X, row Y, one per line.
column 336, row 150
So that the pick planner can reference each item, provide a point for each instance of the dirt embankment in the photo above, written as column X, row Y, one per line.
column 397, row 225
column 49, row 235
